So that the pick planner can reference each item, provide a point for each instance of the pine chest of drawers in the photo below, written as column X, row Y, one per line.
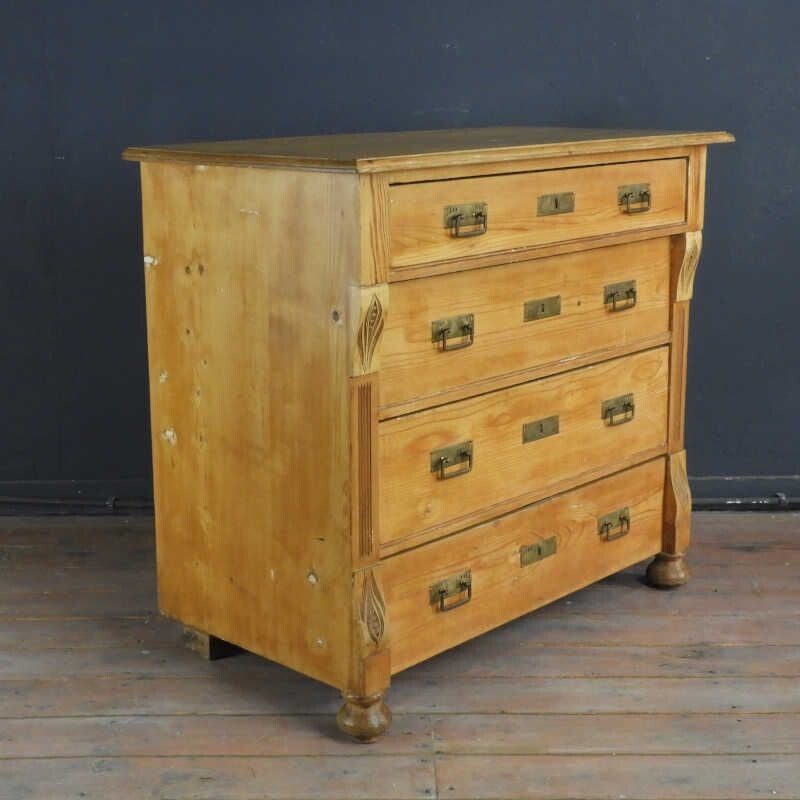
column 407, row 387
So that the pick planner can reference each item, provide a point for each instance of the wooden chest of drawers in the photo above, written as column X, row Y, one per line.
column 407, row 387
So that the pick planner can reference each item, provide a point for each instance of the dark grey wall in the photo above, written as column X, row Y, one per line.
column 81, row 80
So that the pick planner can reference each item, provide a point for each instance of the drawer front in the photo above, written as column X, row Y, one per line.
column 519, row 562
column 522, row 315
column 514, row 446
column 532, row 208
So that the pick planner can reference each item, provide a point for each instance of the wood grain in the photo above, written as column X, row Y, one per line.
column 380, row 152
column 247, row 365
column 663, row 778
column 354, row 777
column 374, row 206
column 418, row 234
column 684, row 257
column 413, row 367
column 415, row 505
column 677, row 505
column 368, row 311
column 501, row 587
column 364, row 476
column 699, row 701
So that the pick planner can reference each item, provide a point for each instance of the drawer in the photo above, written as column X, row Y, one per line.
column 519, row 209
column 520, row 561
column 522, row 315
column 514, row 446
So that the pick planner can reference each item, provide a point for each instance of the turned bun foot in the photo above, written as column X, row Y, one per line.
column 364, row 718
column 667, row 570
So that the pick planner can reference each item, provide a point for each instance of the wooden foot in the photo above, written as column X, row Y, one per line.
column 668, row 570
column 206, row 645
column 364, row 718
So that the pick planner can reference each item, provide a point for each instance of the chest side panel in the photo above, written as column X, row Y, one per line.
column 247, row 274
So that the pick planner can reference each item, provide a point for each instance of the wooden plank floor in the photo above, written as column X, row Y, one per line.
column 618, row 691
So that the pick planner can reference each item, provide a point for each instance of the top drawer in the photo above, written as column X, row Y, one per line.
column 532, row 208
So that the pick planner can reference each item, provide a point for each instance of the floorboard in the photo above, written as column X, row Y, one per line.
column 617, row 690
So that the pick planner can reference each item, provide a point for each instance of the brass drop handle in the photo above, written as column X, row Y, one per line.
column 618, row 410
column 445, row 462
column 463, row 326
column 468, row 338
column 621, row 296
column 451, row 587
column 467, row 587
column 479, row 219
column 467, row 214
column 634, row 199
column 614, row 525
column 451, row 456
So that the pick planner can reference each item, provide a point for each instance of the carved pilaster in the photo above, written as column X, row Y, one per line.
column 669, row 568
column 364, row 468
column 369, row 306
column 373, row 610
column 371, row 666
column 685, row 258
column 677, row 505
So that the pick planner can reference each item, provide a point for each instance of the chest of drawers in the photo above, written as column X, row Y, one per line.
column 407, row 387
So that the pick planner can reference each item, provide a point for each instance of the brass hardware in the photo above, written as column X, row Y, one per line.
column 542, row 308
column 469, row 214
column 634, row 198
column 618, row 410
column 530, row 553
column 621, row 518
column 452, row 587
column 561, row 203
column 443, row 329
column 539, row 429
column 447, row 457
column 621, row 295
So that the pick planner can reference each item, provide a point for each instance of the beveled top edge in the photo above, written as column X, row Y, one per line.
column 381, row 152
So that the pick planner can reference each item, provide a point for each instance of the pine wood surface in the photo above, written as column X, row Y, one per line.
column 413, row 367
column 502, row 588
column 376, row 152
column 507, row 473
column 416, row 216
column 246, row 276
column 618, row 689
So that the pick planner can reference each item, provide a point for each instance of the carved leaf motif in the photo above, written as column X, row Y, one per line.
column 691, row 258
column 370, row 332
column 373, row 609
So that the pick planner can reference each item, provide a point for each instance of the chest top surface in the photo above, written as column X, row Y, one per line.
column 381, row 152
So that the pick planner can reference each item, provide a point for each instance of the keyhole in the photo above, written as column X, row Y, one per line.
column 555, row 202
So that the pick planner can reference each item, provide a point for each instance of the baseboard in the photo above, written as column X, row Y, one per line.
column 125, row 495
column 745, row 492
column 128, row 495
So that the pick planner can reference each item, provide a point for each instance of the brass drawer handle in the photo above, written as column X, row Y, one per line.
column 634, row 199
column 451, row 587
column 621, row 296
column 618, row 410
column 463, row 326
column 455, row 217
column 614, row 525
column 446, row 457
